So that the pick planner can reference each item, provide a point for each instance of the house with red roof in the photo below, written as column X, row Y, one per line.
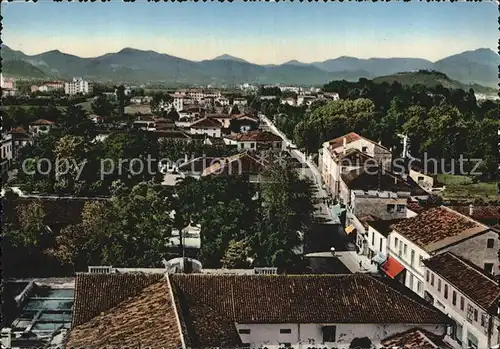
column 206, row 126
column 40, row 126
column 348, row 152
column 181, row 311
column 255, row 140
column 468, row 295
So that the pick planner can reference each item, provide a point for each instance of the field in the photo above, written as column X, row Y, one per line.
column 138, row 108
column 463, row 188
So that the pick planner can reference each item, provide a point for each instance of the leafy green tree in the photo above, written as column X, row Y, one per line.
column 236, row 255
column 102, row 106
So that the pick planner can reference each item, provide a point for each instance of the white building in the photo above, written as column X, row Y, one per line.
column 305, row 100
column 7, row 151
column 240, row 101
column 435, row 231
column 227, row 310
column 336, row 158
column 223, row 101
column 468, row 296
column 207, row 127
column 40, row 126
column 8, row 86
column 255, row 140
column 78, row 86
column 377, row 237
column 289, row 100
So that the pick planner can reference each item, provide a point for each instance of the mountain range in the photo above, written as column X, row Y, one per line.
column 138, row 66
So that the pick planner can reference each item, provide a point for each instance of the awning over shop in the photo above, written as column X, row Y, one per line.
column 350, row 229
column 392, row 267
column 379, row 259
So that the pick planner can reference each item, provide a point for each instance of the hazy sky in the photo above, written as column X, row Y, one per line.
column 257, row 32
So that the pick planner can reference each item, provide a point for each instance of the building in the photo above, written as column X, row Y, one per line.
column 255, row 140
column 240, row 102
column 435, row 231
column 20, row 138
column 222, row 101
column 8, row 86
column 377, row 237
column 243, row 123
column 242, row 164
column 289, row 100
column 305, row 100
column 176, row 311
column 7, row 152
column 206, row 126
column 334, row 96
column 38, row 312
column 50, row 86
column 415, row 338
column 349, row 152
column 78, row 86
column 179, row 100
column 40, row 126
column 468, row 295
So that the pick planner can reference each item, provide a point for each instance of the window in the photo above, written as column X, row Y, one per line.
column 420, row 261
column 252, row 145
column 490, row 243
column 364, row 149
column 329, row 333
column 244, row 331
column 285, row 330
column 476, row 315
column 286, row 345
column 471, row 340
column 412, row 258
column 427, row 275
column 404, row 249
column 400, row 208
column 419, row 286
column 439, row 285
column 373, row 239
column 462, row 303
column 420, row 178
column 432, row 279
column 470, row 312
column 458, row 333
column 488, row 267
column 380, row 244
column 390, row 208
column 454, row 298
column 396, row 242
column 484, row 320
column 445, row 291
column 410, row 281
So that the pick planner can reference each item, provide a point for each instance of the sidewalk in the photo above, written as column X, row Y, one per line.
column 350, row 259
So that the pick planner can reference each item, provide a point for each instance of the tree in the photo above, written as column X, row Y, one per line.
column 77, row 123
column 236, row 255
column 102, row 106
column 286, row 210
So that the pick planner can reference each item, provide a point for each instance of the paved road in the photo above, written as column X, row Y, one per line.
column 309, row 170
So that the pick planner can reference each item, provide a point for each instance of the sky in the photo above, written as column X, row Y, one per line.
column 262, row 33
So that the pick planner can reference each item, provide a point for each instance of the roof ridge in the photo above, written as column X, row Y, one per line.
column 422, row 333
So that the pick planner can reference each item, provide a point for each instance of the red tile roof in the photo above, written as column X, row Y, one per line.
column 257, row 136
column 144, row 319
column 415, row 207
column 355, row 298
column 479, row 212
column 415, row 338
column 383, row 226
column 436, row 228
column 206, row 123
column 18, row 130
column 42, row 122
column 339, row 141
column 239, row 164
column 468, row 278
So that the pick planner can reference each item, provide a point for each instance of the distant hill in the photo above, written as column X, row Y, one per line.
column 478, row 66
column 430, row 79
column 227, row 57
column 21, row 69
column 140, row 66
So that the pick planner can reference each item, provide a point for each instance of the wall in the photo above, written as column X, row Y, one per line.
column 377, row 206
column 418, row 269
column 475, row 250
column 212, row 132
column 376, row 237
column 303, row 336
column 426, row 182
column 455, row 311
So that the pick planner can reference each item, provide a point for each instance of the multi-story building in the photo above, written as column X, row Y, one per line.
column 8, row 86
column 349, row 152
column 435, row 231
column 468, row 295
column 7, row 152
column 255, row 140
column 20, row 139
column 50, row 86
column 78, row 86
column 236, row 311
column 206, row 126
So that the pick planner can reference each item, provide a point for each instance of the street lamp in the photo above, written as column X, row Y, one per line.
column 332, row 250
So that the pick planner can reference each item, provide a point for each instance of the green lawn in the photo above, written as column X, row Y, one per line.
column 462, row 187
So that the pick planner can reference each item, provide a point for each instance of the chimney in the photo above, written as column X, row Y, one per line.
column 471, row 209
column 344, row 143
column 6, row 338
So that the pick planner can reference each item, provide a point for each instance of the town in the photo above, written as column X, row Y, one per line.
column 152, row 201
